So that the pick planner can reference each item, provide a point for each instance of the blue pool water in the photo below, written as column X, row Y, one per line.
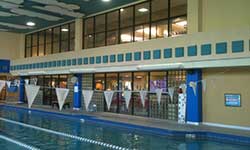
column 21, row 129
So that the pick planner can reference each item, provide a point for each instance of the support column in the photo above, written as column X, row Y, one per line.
column 21, row 90
column 194, row 101
column 78, row 34
column 78, row 92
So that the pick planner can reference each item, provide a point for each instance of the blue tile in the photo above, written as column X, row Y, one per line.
column 221, row 48
column 79, row 61
column 112, row 58
column 33, row 66
column 41, row 65
column 137, row 56
column 237, row 46
column 63, row 63
column 37, row 65
column 192, row 50
column 105, row 59
column 50, row 64
column 86, row 60
column 98, row 59
column 157, row 54
column 69, row 62
column 128, row 56
column 45, row 64
column 206, row 49
column 168, row 53
column 59, row 64
column 92, row 60
column 179, row 52
column 120, row 57
column 146, row 55
column 54, row 64
column 73, row 62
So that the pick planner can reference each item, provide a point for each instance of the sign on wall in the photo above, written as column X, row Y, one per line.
column 232, row 100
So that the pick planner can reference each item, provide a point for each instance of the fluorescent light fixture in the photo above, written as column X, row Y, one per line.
column 181, row 23
column 143, row 10
column 36, row 72
column 160, row 66
column 23, row 74
column 86, row 70
column 65, row 30
column 58, row 72
column 106, row 0
column 31, row 24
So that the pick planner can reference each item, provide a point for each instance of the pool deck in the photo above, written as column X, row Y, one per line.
column 143, row 121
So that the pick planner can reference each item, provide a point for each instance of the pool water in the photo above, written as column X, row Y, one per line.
column 21, row 129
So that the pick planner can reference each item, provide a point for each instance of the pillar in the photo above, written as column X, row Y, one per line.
column 194, row 101
column 77, row 92
column 21, row 90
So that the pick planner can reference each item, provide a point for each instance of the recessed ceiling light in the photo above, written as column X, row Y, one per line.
column 121, row 10
column 143, row 10
column 65, row 30
column 30, row 24
column 106, row 0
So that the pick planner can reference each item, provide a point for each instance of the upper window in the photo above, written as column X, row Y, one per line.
column 53, row 40
column 139, row 22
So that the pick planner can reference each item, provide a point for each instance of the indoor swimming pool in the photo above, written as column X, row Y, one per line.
column 23, row 129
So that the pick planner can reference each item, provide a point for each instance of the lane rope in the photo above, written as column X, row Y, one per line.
column 29, row 147
column 82, row 139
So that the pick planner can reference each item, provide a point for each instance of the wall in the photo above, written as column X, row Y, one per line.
column 228, row 80
column 11, row 45
column 220, row 15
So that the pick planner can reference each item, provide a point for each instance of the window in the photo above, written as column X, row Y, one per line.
column 159, row 10
column 139, row 22
column 56, row 40
column 178, row 26
column 41, row 43
column 48, row 46
column 53, row 40
column 34, row 44
column 72, row 36
column 100, row 82
column 158, row 80
column 28, row 46
column 178, row 8
column 112, row 84
column 126, row 15
column 65, row 38
column 142, row 13
column 112, row 28
column 89, row 33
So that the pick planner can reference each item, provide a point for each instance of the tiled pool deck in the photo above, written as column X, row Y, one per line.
column 211, row 131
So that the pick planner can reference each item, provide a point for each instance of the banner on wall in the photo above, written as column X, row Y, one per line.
column 158, row 94
column 143, row 95
column 171, row 92
column 2, row 84
column 108, row 97
column 182, row 100
column 127, row 96
column 87, row 96
column 31, row 92
column 61, row 94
